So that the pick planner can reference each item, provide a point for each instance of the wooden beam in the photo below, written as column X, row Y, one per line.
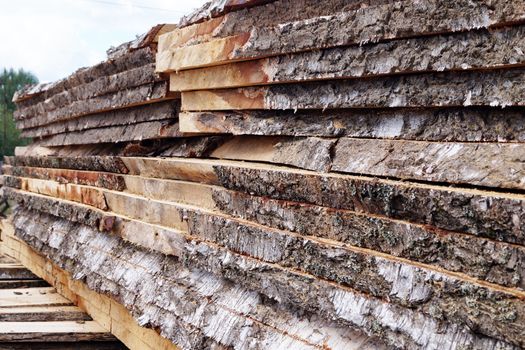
column 82, row 177
column 95, row 163
column 453, row 89
column 124, row 133
column 470, row 124
column 31, row 297
column 138, row 114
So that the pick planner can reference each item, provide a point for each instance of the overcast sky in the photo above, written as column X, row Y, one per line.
column 53, row 38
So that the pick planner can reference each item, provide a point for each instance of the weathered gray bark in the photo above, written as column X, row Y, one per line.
column 484, row 214
column 192, row 299
column 122, row 133
column 494, row 88
column 216, row 8
column 311, row 153
column 74, row 212
column 452, row 124
column 411, row 329
column 440, row 296
column 137, row 114
column 102, row 86
column 94, row 163
column 480, row 49
column 480, row 258
column 478, row 164
column 141, row 95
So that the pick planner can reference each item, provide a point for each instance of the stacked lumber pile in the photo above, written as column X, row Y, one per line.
column 33, row 315
column 338, row 174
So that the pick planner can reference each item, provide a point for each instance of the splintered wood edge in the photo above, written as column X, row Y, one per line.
column 209, row 53
column 240, row 74
column 114, row 316
column 180, row 36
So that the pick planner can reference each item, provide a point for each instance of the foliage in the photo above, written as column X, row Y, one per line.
column 10, row 81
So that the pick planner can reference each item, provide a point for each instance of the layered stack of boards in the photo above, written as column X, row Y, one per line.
column 34, row 316
column 340, row 174
column 119, row 100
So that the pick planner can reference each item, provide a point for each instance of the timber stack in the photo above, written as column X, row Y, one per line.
column 293, row 174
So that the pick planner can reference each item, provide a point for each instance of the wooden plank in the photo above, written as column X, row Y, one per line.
column 470, row 124
column 145, row 94
column 104, row 85
column 413, row 202
column 370, row 24
column 137, row 114
column 81, row 177
column 42, row 314
column 79, row 213
column 31, row 297
column 123, row 133
column 471, row 50
column 96, row 163
column 65, row 331
column 451, row 89
column 80, row 194
column 307, row 153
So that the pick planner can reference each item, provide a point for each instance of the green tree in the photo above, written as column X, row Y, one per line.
column 11, row 80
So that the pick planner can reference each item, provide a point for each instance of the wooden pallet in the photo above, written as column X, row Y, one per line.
column 34, row 315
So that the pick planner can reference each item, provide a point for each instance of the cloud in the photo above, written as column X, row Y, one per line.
column 53, row 38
